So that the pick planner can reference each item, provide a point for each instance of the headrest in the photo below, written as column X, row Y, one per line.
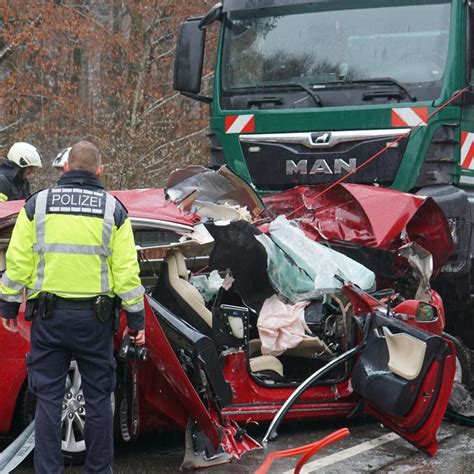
column 175, row 259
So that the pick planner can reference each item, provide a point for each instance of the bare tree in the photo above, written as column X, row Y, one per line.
column 100, row 70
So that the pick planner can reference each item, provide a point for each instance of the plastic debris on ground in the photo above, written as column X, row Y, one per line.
column 461, row 401
column 17, row 451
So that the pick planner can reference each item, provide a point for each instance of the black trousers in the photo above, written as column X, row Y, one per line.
column 72, row 333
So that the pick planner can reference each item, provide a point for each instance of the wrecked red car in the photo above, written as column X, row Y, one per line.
column 213, row 363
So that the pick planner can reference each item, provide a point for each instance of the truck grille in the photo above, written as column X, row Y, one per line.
column 278, row 161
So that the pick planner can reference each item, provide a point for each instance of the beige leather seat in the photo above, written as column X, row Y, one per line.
column 265, row 364
column 309, row 347
column 178, row 277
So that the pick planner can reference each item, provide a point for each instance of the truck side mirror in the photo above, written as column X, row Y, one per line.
column 189, row 57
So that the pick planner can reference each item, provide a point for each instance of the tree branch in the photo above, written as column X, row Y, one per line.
column 164, row 100
column 163, row 55
column 160, row 103
column 5, row 51
column 168, row 144
column 97, row 23
column 11, row 125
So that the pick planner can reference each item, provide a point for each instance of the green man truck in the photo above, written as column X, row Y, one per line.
column 307, row 91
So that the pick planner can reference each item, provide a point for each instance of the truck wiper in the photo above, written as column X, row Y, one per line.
column 293, row 84
column 377, row 80
column 265, row 101
column 388, row 94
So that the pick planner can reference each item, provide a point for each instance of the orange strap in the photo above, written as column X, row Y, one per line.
column 307, row 451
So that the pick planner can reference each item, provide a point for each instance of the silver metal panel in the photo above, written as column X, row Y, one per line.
column 325, row 139
column 145, row 223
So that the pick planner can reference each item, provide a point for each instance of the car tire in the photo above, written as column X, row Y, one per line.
column 463, row 373
column 72, row 415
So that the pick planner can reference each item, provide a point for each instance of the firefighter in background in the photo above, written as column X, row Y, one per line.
column 61, row 159
column 73, row 251
column 22, row 159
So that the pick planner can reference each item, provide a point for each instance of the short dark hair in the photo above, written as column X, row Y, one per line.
column 84, row 156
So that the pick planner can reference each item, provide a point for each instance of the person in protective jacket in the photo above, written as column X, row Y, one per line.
column 72, row 251
column 22, row 159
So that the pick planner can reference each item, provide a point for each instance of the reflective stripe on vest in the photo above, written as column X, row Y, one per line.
column 12, row 285
column 106, row 236
column 40, row 216
column 72, row 249
column 134, row 308
column 12, row 298
column 132, row 294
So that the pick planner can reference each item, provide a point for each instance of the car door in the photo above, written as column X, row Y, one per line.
column 167, row 334
column 178, row 351
column 405, row 375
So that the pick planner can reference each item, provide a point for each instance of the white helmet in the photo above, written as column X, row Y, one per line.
column 24, row 155
column 61, row 158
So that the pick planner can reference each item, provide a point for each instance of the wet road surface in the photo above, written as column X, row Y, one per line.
column 369, row 448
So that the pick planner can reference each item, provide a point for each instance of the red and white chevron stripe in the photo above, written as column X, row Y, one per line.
column 240, row 124
column 410, row 116
column 467, row 150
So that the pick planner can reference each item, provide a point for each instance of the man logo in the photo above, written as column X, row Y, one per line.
column 320, row 167
column 321, row 138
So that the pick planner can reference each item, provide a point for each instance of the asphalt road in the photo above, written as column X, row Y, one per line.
column 369, row 448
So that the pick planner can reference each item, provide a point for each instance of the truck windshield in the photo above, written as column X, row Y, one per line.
column 337, row 42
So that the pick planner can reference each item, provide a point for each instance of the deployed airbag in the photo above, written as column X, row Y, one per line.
column 281, row 326
column 287, row 279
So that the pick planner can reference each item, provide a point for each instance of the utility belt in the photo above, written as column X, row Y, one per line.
column 104, row 308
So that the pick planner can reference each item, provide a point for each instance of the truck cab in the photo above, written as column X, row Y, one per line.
column 306, row 92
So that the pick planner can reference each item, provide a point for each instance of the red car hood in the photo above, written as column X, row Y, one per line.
column 367, row 215
column 140, row 203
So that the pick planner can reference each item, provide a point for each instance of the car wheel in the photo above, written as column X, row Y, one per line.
column 72, row 416
column 463, row 374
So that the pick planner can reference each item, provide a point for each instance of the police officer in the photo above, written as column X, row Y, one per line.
column 72, row 248
column 61, row 159
column 22, row 159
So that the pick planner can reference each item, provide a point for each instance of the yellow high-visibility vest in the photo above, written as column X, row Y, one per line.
column 73, row 246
